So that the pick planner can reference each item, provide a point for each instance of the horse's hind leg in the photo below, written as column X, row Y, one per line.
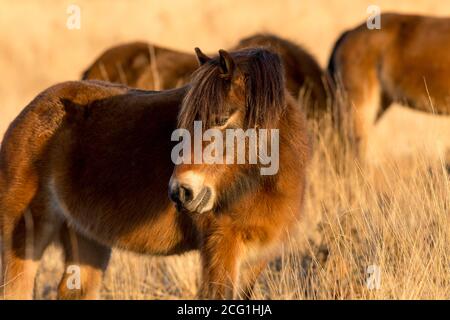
column 26, row 232
column 360, row 105
column 85, row 263
column 385, row 103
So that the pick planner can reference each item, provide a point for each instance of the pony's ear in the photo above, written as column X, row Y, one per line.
column 227, row 64
column 201, row 57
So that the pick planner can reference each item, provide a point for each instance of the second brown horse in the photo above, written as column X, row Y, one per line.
column 150, row 67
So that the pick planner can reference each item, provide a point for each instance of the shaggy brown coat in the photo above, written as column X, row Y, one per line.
column 91, row 162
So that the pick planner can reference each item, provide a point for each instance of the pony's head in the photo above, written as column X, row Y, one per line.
column 231, row 97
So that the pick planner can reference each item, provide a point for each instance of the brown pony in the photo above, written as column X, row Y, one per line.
column 304, row 77
column 150, row 67
column 142, row 65
column 407, row 61
column 91, row 161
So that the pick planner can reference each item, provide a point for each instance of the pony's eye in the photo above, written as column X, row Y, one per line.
column 223, row 120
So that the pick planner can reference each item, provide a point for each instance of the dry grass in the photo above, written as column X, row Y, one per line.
column 393, row 214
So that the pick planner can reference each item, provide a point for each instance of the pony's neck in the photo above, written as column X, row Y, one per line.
column 295, row 143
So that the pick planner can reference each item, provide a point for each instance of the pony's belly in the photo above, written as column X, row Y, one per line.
column 157, row 229
column 423, row 87
column 425, row 99
column 433, row 105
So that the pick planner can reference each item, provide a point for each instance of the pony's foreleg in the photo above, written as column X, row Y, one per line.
column 249, row 276
column 220, row 262
column 85, row 264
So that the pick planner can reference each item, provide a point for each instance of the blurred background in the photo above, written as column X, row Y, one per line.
column 37, row 50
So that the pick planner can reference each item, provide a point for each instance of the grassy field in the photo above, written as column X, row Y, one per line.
column 392, row 215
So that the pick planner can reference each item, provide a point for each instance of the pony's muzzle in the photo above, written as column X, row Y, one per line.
column 186, row 199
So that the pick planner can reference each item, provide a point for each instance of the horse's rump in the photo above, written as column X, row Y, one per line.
column 143, row 65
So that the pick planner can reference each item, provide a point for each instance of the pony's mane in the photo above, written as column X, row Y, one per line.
column 264, row 90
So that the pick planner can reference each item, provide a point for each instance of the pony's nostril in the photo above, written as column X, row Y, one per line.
column 181, row 194
column 186, row 194
column 174, row 194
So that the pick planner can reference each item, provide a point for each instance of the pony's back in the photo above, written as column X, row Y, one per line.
column 142, row 65
column 301, row 68
column 120, row 64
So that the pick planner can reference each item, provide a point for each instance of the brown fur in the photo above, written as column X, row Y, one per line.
column 407, row 61
column 142, row 65
column 90, row 162
column 304, row 77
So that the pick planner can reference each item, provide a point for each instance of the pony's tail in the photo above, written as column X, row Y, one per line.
column 332, row 68
column 339, row 117
column 2, row 224
column 85, row 74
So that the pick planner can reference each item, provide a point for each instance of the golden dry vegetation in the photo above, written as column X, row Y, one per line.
column 393, row 214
